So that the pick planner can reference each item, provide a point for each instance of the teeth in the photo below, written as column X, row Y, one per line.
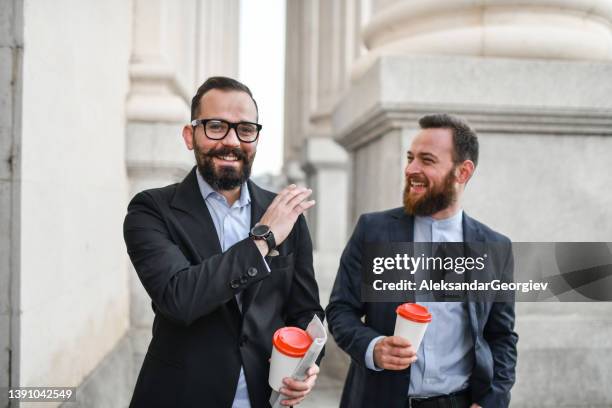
column 229, row 158
column 415, row 184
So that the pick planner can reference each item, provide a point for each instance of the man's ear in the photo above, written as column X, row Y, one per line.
column 465, row 171
column 188, row 136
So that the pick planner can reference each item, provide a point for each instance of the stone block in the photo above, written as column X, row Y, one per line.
column 112, row 382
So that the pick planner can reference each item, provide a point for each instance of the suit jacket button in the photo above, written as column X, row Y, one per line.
column 235, row 284
column 252, row 272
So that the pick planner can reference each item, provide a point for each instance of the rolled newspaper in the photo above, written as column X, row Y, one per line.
column 318, row 334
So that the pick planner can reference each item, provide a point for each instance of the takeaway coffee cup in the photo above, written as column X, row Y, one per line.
column 289, row 345
column 411, row 322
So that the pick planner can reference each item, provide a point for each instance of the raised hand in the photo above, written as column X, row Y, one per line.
column 285, row 209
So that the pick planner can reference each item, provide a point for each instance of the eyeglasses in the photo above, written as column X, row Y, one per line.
column 217, row 129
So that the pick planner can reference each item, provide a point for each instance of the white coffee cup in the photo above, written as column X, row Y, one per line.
column 289, row 345
column 411, row 322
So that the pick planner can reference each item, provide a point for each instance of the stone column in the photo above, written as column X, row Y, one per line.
column 11, row 85
column 300, row 78
column 319, row 54
column 322, row 42
column 534, row 82
column 176, row 46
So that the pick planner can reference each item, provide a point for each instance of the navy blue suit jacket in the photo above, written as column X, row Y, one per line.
column 492, row 323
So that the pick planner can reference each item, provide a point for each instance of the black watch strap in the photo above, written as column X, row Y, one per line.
column 269, row 237
column 264, row 233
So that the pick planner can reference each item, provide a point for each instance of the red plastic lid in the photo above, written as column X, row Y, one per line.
column 291, row 341
column 414, row 312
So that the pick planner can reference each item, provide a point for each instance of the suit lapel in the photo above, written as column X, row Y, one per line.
column 400, row 229
column 473, row 239
column 199, row 226
column 196, row 218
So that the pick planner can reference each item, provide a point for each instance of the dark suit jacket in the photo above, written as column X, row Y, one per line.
column 492, row 324
column 200, row 337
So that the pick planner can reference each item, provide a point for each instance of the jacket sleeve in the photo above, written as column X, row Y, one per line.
column 304, row 296
column 345, row 309
column 501, row 338
column 181, row 291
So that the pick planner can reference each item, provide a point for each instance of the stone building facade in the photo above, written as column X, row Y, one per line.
column 533, row 78
column 93, row 96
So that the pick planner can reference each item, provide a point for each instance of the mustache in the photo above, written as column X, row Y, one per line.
column 419, row 178
column 226, row 151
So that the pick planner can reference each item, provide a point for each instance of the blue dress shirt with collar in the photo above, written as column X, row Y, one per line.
column 232, row 224
column 445, row 357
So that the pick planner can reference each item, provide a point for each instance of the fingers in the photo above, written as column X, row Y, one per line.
column 313, row 370
column 299, row 386
column 295, row 200
column 404, row 352
column 295, row 390
column 293, row 197
column 398, row 341
column 303, row 206
column 396, row 363
column 397, row 346
column 289, row 194
column 394, row 353
column 282, row 194
column 293, row 402
column 299, row 197
column 284, row 210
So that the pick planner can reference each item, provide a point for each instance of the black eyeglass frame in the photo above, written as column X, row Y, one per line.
column 230, row 125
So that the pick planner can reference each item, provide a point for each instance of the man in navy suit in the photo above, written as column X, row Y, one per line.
column 468, row 355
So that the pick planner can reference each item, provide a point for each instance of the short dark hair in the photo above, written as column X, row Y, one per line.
column 218, row 82
column 465, row 141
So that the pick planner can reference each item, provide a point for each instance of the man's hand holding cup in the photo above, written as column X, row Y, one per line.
column 394, row 353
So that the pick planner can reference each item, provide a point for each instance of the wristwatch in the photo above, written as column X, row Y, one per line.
column 264, row 232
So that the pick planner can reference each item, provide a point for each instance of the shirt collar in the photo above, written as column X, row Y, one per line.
column 452, row 222
column 206, row 190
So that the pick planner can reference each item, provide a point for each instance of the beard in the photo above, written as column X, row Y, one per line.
column 223, row 178
column 435, row 198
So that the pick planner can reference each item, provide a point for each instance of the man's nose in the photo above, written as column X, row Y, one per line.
column 412, row 168
column 231, row 139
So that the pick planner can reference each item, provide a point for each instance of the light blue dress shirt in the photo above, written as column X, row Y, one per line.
column 232, row 224
column 445, row 357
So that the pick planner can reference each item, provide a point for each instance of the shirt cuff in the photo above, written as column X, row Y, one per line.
column 369, row 355
column 266, row 263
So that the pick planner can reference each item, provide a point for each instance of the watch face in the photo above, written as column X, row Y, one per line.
column 260, row 230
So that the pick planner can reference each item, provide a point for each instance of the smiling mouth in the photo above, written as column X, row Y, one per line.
column 229, row 157
column 417, row 186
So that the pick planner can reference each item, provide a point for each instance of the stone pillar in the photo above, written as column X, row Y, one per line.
column 11, row 83
column 217, row 36
column 300, row 78
column 326, row 164
column 550, row 29
column 322, row 42
column 176, row 46
column 319, row 54
column 534, row 82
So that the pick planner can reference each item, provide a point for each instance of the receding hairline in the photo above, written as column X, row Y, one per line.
column 228, row 90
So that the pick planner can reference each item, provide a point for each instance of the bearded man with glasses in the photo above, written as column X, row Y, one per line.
column 225, row 263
